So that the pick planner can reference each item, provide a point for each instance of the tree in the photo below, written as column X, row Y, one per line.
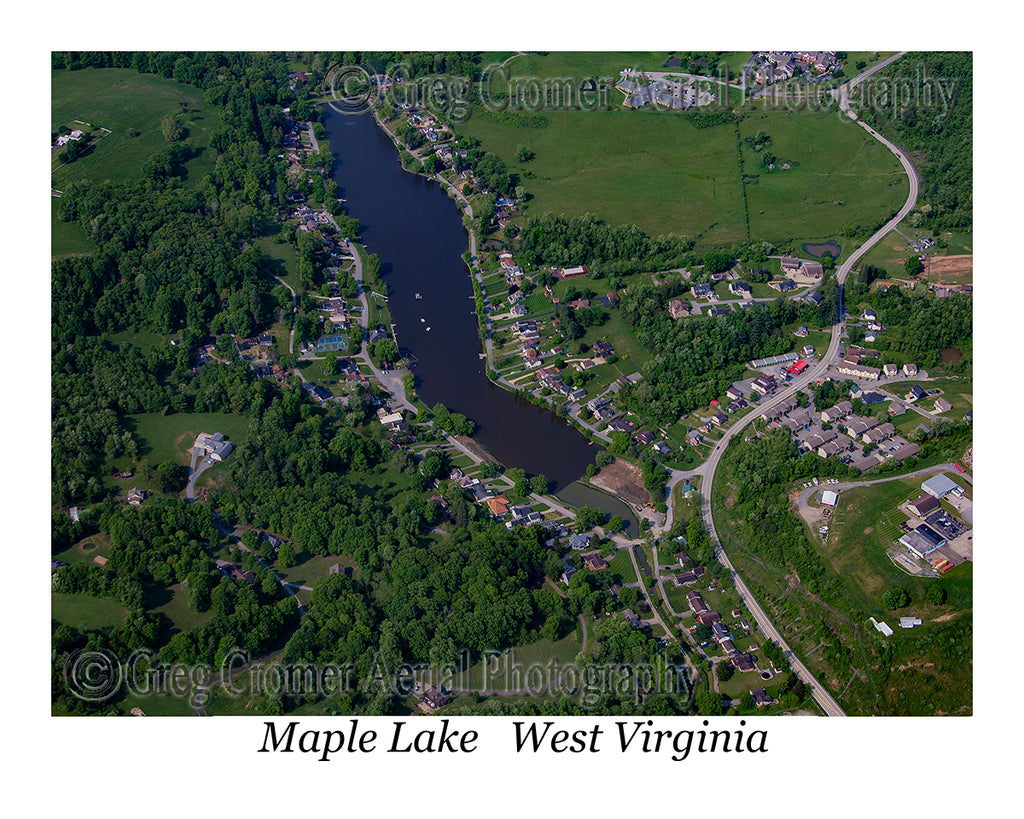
column 286, row 556
column 539, row 484
column 172, row 130
column 895, row 598
column 913, row 265
column 525, row 154
column 385, row 350
column 936, row 595
column 708, row 703
column 615, row 524
column 172, row 477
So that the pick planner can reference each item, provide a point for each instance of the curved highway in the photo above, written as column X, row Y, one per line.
column 825, row 700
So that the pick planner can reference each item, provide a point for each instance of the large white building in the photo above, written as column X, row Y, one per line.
column 940, row 486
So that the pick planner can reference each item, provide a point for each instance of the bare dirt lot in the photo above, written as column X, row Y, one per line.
column 624, row 480
column 944, row 268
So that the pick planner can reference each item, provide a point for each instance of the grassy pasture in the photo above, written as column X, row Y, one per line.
column 86, row 613
column 131, row 106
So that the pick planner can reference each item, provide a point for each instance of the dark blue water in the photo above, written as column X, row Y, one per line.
column 417, row 231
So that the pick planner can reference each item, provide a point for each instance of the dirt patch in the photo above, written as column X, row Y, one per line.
column 950, row 267
column 914, row 665
column 624, row 480
column 950, row 616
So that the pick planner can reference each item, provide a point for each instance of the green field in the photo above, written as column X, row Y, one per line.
column 660, row 172
column 283, row 260
column 865, row 524
column 126, row 103
column 170, row 437
column 171, row 602
column 86, row 613
column 647, row 168
column 840, row 177
column 309, row 568
column 132, row 106
column 506, row 672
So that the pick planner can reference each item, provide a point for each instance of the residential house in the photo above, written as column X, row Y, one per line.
column 790, row 264
column 744, row 662
column 942, row 405
column 910, row 370
column 644, row 437
column 720, row 632
column 677, row 308
column 214, row 446
column 915, row 393
column 578, row 541
column 135, row 496
column 595, row 562
column 761, row 697
column 708, row 618
column 857, row 426
column 498, row 505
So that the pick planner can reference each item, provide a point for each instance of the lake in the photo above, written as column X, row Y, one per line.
column 417, row 231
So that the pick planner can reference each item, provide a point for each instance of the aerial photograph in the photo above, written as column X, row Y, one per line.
column 530, row 384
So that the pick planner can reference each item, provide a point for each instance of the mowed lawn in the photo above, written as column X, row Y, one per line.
column 283, row 260
column 132, row 106
column 86, row 613
column 170, row 437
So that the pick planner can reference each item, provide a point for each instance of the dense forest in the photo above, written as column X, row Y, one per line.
column 549, row 239
column 936, row 130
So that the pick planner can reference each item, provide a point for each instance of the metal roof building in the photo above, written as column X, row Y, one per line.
column 940, row 486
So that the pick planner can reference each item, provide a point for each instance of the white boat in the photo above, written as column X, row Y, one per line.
column 418, row 296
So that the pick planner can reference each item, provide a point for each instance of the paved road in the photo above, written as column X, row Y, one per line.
column 825, row 700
